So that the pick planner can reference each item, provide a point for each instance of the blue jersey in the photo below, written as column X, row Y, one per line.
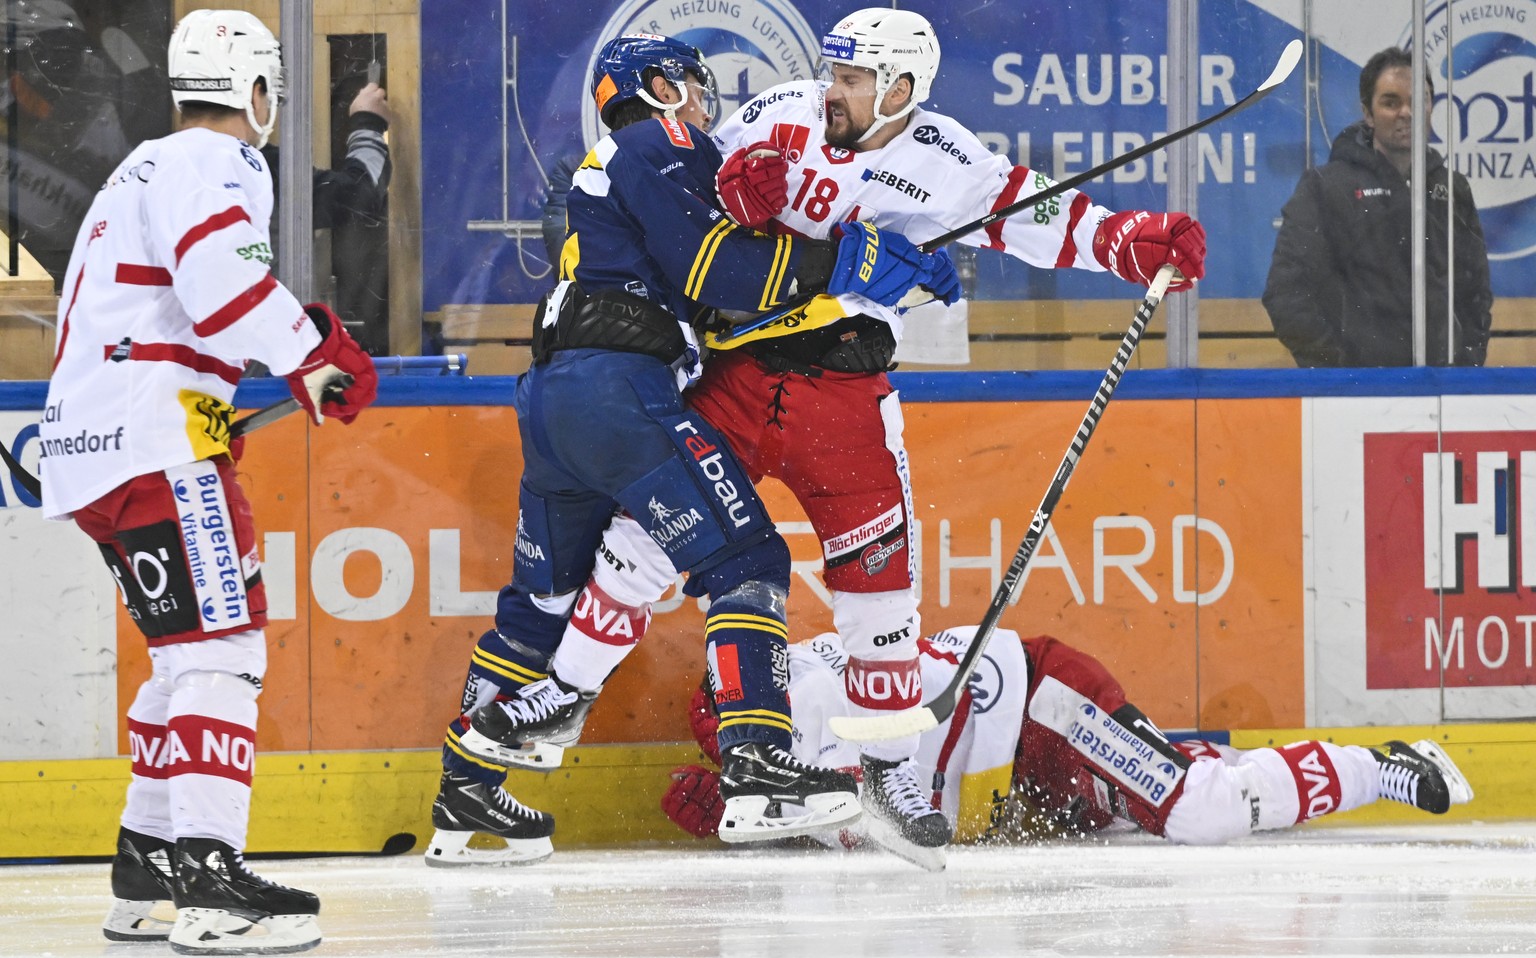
column 640, row 218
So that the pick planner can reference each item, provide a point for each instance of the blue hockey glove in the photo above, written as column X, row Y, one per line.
column 884, row 266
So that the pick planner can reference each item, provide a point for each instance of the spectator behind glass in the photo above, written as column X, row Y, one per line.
column 356, row 192
column 1340, row 288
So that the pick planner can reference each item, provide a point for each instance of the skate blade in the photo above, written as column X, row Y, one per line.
column 139, row 920
column 1455, row 782
column 214, row 931
column 539, row 756
column 452, row 850
column 885, row 835
column 746, row 817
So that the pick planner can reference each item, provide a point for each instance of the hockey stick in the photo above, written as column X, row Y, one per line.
column 1283, row 67
column 875, row 728
column 261, row 417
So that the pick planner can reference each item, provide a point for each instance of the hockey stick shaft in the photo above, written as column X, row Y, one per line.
column 1283, row 67
column 941, row 706
column 240, row 427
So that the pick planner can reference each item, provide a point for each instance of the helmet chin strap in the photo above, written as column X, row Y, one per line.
column 669, row 109
column 265, row 131
column 881, row 120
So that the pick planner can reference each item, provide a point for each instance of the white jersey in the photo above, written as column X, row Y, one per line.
column 167, row 296
column 934, row 176
column 970, row 767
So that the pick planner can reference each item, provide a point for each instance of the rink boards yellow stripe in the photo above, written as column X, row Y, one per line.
column 603, row 796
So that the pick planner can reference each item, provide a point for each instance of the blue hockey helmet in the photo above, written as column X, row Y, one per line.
column 619, row 74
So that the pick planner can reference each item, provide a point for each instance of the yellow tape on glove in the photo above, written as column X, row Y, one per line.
column 823, row 310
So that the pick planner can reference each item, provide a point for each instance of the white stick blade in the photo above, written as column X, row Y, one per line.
column 1289, row 57
column 880, row 728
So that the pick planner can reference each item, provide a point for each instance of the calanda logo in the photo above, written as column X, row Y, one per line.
column 750, row 45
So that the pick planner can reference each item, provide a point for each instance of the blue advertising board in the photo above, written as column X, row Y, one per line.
column 1059, row 87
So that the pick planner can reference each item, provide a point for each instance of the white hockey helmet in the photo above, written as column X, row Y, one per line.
column 891, row 43
column 216, row 56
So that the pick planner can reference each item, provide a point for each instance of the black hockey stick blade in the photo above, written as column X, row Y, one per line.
column 271, row 414
column 263, row 417
column 24, row 479
column 1289, row 57
column 877, row 728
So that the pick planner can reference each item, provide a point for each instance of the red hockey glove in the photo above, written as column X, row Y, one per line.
column 705, row 723
column 753, row 184
column 693, row 801
column 337, row 378
column 1135, row 244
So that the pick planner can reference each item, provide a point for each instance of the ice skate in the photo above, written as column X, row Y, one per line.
column 532, row 729
column 901, row 818
column 1421, row 775
column 141, row 885
column 224, row 909
column 769, row 794
column 466, row 809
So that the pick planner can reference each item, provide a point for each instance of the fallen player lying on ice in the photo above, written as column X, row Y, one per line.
column 1047, row 724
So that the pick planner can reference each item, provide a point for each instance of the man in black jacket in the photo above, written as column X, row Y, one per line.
column 1340, row 288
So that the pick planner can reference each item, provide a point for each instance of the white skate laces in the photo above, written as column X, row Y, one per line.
column 1399, row 783
column 511, row 806
column 506, row 732
column 537, row 702
column 903, row 792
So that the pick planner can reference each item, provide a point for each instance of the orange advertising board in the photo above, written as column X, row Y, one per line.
column 1174, row 556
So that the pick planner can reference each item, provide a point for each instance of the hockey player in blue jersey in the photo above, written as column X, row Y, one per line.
column 603, row 428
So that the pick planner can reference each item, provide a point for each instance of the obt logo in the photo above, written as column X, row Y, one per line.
column 1450, row 556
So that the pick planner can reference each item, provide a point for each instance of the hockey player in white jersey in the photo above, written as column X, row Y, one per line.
column 1045, row 725
column 167, row 296
column 807, row 401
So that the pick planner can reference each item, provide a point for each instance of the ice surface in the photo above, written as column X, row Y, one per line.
column 1447, row 889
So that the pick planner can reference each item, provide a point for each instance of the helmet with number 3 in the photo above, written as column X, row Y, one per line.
column 620, row 74
column 216, row 56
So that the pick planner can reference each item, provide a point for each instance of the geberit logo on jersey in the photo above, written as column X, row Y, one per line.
column 900, row 185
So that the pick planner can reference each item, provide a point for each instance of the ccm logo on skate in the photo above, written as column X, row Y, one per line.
column 883, row 685
column 711, row 462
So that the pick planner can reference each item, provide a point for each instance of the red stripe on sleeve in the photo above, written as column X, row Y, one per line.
column 231, row 311
column 1068, row 254
column 134, row 274
column 1010, row 193
column 64, row 326
column 185, row 356
column 214, row 223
